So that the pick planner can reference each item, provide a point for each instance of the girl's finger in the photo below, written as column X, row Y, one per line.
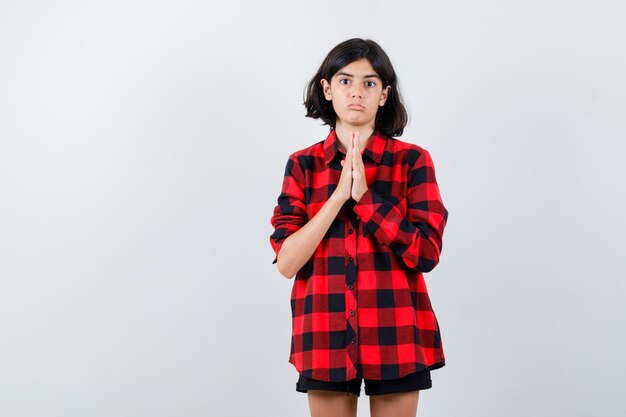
column 358, row 158
column 357, row 162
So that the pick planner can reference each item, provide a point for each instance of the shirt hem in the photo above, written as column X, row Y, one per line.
column 419, row 367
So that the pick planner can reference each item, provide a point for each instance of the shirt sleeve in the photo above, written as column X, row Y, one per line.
column 290, row 214
column 415, row 232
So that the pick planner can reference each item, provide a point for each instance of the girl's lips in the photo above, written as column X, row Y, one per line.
column 356, row 107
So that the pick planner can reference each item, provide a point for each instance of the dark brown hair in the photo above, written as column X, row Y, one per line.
column 390, row 118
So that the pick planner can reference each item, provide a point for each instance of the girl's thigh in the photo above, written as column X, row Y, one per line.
column 402, row 404
column 332, row 403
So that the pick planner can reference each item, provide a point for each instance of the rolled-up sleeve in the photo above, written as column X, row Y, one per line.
column 290, row 213
column 413, row 232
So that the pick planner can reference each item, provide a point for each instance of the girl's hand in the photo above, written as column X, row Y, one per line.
column 344, row 186
column 359, row 180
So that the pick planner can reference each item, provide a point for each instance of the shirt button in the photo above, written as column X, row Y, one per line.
column 350, row 286
column 350, row 259
column 350, row 231
column 352, row 312
column 353, row 341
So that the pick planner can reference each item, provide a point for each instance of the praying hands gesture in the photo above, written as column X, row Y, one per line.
column 352, row 182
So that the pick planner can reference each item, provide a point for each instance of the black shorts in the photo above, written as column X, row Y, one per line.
column 412, row 382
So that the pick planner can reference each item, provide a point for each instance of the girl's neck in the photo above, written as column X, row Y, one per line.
column 343, row 134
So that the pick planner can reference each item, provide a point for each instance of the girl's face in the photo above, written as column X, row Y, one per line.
column 356, row 92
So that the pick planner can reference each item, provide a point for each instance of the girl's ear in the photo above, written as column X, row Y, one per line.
column 326, row 89
column 384, row 95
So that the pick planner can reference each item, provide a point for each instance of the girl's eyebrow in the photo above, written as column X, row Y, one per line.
column 351, row 76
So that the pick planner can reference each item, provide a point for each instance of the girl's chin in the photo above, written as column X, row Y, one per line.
column 355, row 117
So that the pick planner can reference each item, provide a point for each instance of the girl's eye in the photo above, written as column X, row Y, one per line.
column 347, row 81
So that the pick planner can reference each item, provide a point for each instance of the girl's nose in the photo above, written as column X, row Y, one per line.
column 356, row 91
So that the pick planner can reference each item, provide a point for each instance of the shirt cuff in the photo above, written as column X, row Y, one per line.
column 276, row 247
column 367, row 205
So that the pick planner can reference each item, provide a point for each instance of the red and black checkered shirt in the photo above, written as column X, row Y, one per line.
column 360, row 305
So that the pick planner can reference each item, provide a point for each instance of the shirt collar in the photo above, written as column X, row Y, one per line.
column 374, row 149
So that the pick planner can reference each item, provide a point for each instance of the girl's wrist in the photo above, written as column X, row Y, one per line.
column 336, row 196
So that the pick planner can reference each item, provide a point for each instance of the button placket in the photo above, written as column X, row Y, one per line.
column 351, row 300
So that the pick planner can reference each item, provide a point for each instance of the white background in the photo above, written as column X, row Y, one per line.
column 142, row 149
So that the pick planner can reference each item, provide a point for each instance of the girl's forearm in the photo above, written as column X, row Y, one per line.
column 298, row 247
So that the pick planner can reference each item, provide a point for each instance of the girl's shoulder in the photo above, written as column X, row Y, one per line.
column 315, row 149
column 404, row 145
column 409, row 152
column 308, row 158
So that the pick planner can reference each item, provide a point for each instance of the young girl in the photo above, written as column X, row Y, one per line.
column 358, row 221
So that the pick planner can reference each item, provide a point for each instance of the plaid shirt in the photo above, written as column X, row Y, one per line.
column 360, row 304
